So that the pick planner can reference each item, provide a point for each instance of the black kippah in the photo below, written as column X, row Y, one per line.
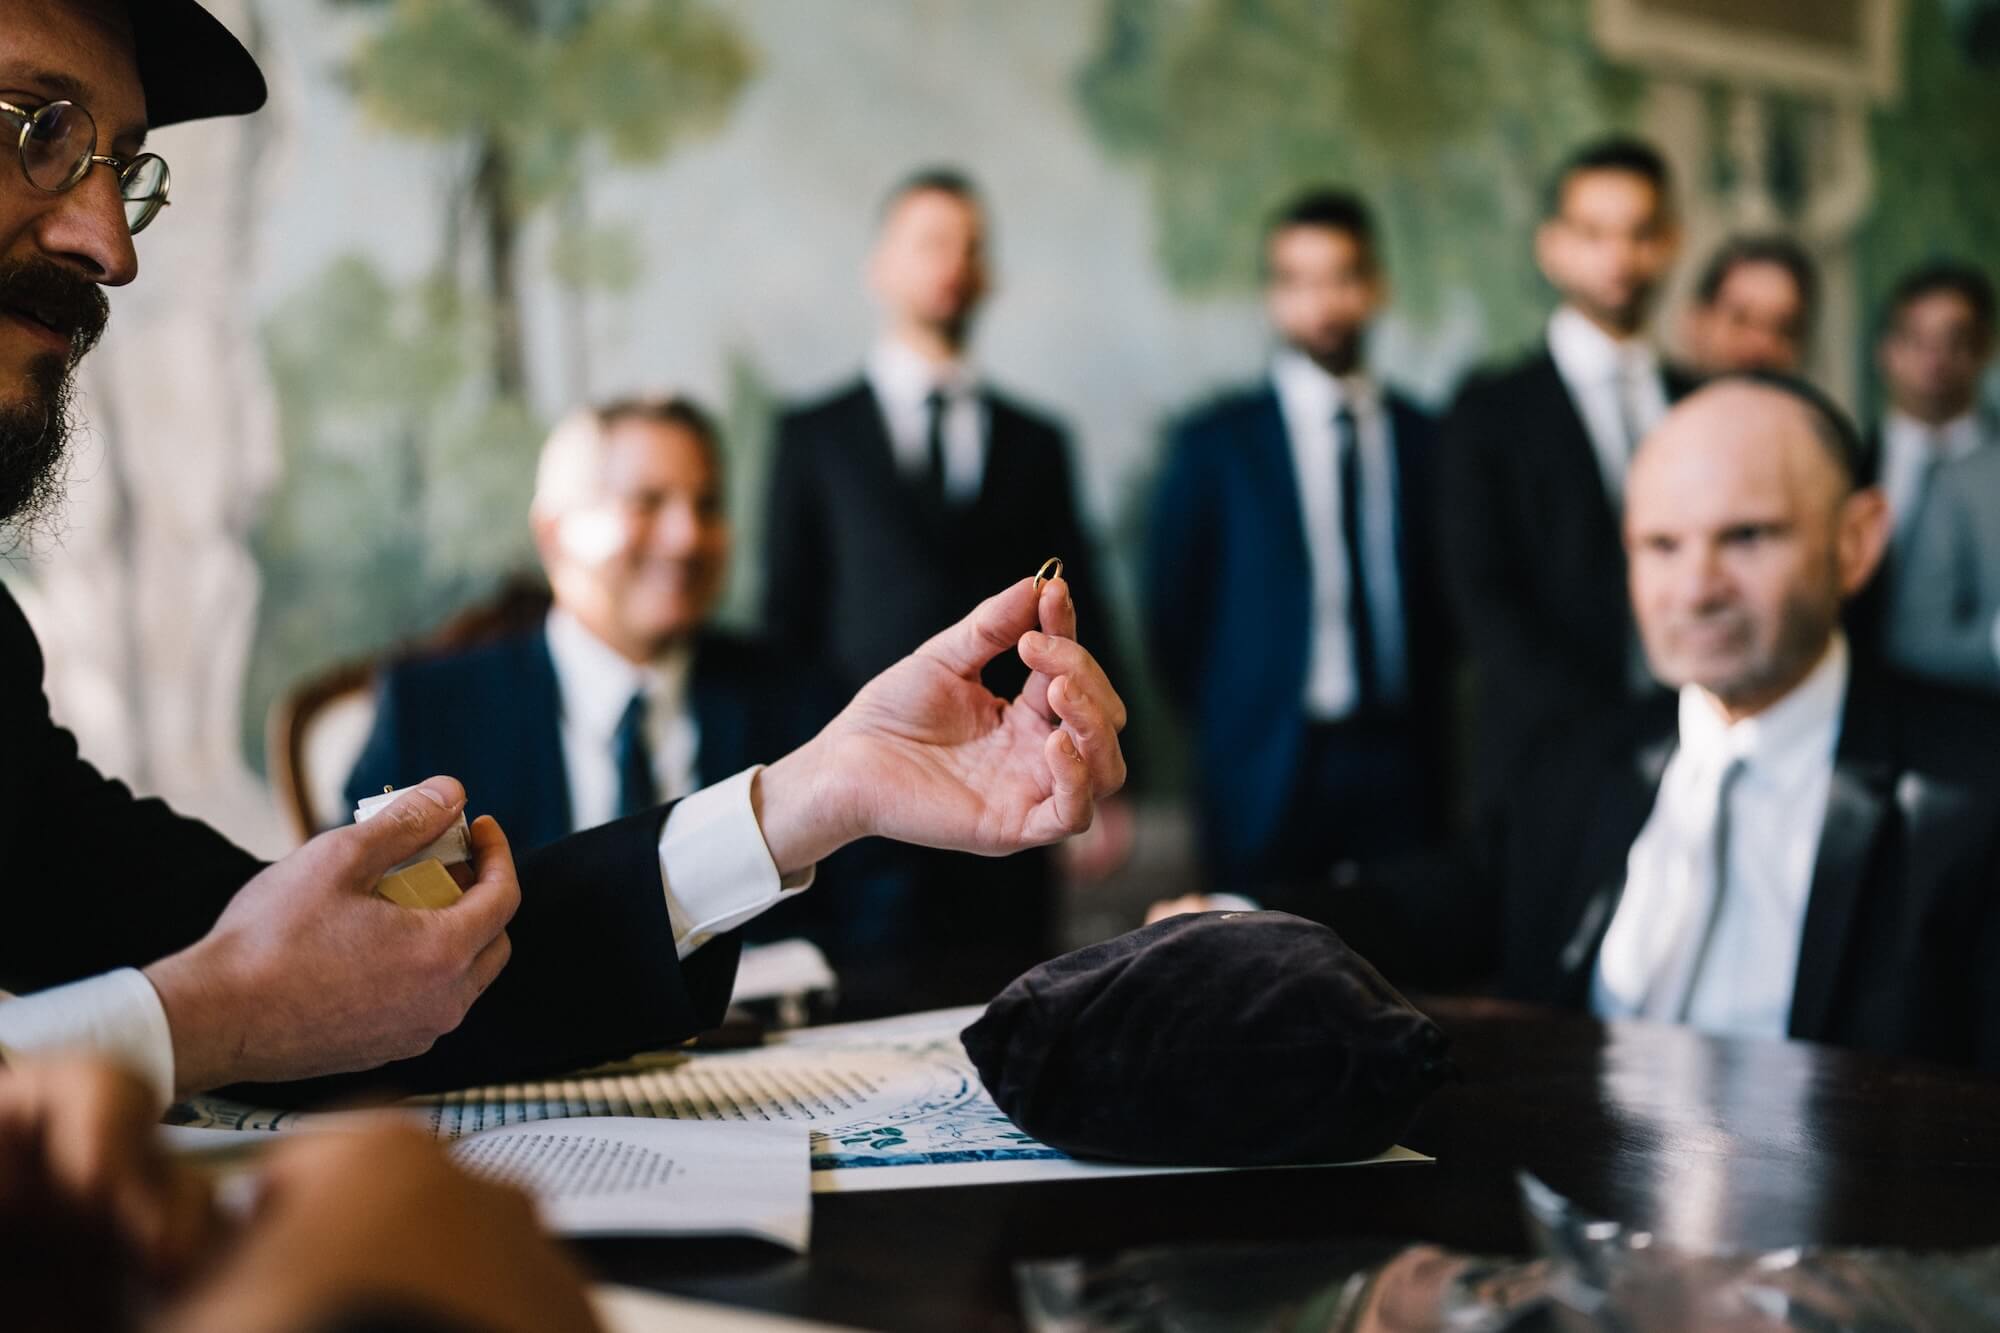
column 1216, row 1039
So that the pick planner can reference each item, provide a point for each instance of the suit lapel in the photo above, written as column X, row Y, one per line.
column 875, row 457
column 1622, row 808
column 1275, row 477
column 1571, row 454
column 1858, row 805
column 544, row 780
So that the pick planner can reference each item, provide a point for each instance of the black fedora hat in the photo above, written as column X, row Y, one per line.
column 190, row 64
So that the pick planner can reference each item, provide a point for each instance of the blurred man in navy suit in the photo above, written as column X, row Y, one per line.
column 626, row 696
column 1291, row 603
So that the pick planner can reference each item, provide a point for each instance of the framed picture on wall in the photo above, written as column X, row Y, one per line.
column 1827, row 48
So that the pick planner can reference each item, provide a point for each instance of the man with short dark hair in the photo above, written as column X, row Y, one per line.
column 1291, row 598
column 150, row 937
column 1936, row 610
column 1532, row 472
column 893, row 496
column 1753, row 308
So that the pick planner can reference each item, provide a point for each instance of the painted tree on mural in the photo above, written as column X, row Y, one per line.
column 1446, row 115
column 532, row 90
column 406, row 418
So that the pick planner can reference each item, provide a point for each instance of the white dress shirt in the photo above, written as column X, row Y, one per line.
column 903, row 383
column 594, row 685
column 1616, row 387
column 1777, row 811
column 715, row 870
column 1909, row 447
column 1309, row 398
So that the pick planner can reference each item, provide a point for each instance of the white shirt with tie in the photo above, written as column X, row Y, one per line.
column 903, row 383
column 594, row 685
column 1777, row 811
column 1617, row 389
column 1310, row 398
column 715, row 871
column 1910, row 447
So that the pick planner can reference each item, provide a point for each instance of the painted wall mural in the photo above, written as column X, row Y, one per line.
column 315, row 417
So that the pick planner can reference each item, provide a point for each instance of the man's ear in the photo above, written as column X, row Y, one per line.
column 1861, row 538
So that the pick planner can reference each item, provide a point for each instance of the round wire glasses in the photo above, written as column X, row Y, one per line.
column 56, row 143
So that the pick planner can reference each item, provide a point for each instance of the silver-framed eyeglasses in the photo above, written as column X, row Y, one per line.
column 58, row 142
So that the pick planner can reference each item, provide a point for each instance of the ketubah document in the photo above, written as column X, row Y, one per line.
column 892, row 1104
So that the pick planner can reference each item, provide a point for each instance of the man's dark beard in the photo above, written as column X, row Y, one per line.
column 35, row 432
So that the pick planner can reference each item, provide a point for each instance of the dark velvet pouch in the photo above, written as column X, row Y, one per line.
column 1215, row 1039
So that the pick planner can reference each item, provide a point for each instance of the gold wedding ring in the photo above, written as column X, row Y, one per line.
column 1044, row 574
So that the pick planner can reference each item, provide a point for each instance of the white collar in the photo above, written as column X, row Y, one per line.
column 1953, row 440
column 596, row 682
column 1316, row 392
column 1586, row 354
column 904, row 378
column 1782, row 741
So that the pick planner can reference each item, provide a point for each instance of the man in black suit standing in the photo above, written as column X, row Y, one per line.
column 899, row 492
column 151, row 938
column 1291, row 594
column 1532, row 478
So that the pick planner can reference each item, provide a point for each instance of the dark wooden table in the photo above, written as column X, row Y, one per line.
column 1710, row 1143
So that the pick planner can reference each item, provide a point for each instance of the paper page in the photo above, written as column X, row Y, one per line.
column 890, row 1104
column 596, row 1176
column 785, row 967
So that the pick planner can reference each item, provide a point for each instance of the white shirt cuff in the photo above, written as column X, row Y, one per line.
column 714, row 865
column 117, row 1016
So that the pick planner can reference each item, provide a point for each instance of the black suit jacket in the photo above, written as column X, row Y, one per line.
column 92, row 878
column 1902, row 927
column 1534, row 560
column 860, row 570
column 1229, row 607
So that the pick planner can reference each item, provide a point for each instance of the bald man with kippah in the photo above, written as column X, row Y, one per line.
column 1800, row 844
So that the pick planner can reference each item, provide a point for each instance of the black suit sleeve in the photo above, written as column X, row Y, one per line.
column 98, row 879
column 95, row 878
column 795, row 544
column 593, row 977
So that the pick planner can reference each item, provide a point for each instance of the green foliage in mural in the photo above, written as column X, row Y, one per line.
column 1446, row 115
column 535, row 89
column 1936, row 192
column 404, row 494
column 407, row 437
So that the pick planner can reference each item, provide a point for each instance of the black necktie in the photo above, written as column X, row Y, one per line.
column 635, row 760
column 1347, row 445
column 934, row 489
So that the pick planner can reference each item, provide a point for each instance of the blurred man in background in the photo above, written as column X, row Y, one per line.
column 1292, row 606
column 1936, row 610
column 626, row 695
column 898, row 493
column 1532, row 477
column 1753, row 307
